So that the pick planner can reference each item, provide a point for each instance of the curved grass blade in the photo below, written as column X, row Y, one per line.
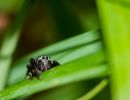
column 73, row 42
column 81, row 69
column 98, row 88
column 64, row 47
column 63, row 58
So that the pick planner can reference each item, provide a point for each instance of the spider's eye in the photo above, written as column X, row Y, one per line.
column 48, row 57
column 45, row 57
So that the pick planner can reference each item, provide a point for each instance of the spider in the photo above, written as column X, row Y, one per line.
column 38, row 65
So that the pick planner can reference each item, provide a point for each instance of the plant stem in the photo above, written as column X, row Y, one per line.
column 95, row 90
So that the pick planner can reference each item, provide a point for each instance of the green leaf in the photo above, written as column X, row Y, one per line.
column 81, row 69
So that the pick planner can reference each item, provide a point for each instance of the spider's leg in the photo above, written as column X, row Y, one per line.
column 45, row 67
column 32, row 60
column 49, row 65
column 38, row 74
column 41, row 68
column 31, row 76
column 27, row 74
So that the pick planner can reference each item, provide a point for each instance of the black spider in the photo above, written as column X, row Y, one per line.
column 37, row 66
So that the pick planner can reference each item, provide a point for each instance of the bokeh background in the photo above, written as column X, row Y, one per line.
column 49, row 21
column 25, row 29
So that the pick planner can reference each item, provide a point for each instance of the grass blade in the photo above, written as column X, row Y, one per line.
column 86, row 44
column 95, row 90
column 64, row 45
column 116, row 22
column 63, row 58
column 81, row 69
column 10, row 43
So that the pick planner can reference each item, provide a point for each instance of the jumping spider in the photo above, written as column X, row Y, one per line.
column 37, row 66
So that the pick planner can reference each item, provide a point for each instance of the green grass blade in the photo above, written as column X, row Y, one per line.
column 81, row 69
column 82, row 48
column 64, row 45
column 116, row 23
column 15, row 77
column 63, row 58
column 95, row 90
column 10, row 43
column 81, row 52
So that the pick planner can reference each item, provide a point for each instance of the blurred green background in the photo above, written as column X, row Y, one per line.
column 29, row 28
column 50, row 21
